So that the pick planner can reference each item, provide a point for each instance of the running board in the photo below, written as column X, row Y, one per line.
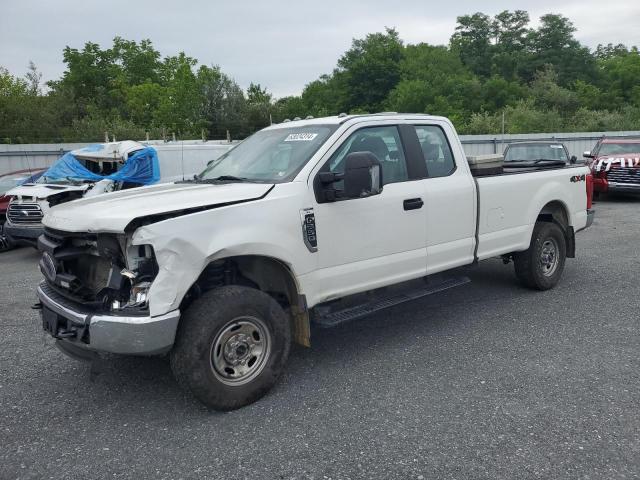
column 332, row 319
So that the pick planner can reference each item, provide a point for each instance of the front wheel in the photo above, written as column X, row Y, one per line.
column 231, row 347
column 541, row 265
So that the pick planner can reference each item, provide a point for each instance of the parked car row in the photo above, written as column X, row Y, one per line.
column 98, row 169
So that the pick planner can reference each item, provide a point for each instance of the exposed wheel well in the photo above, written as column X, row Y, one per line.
column 556, row 212
column 262, row 273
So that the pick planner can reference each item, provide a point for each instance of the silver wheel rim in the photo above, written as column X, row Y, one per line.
column 549, row 257
column 240, row 350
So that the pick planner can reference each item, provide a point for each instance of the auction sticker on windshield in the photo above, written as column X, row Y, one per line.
column 300, row 137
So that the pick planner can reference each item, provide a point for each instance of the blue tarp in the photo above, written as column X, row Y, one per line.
column 141, row 167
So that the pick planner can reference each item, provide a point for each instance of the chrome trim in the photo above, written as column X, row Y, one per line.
column 614, row 184
column 27, row 214
column 119, row 334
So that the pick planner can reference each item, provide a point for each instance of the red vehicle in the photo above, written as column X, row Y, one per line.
column 615, row 165
column 7, row 182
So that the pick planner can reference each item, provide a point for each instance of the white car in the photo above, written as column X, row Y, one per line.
column 98, row 169
column 285, row 230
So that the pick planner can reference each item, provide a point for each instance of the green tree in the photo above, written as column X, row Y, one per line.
column 553, row 44
column 370, row 69
column 621, row 76
column 547, row 94
column 223, row 104
column 472, row 42
column 325, row 96
column 511, row 41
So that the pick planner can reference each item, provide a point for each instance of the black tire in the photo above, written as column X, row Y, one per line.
column 200, row 347
column 5, row 243
column 533, row 265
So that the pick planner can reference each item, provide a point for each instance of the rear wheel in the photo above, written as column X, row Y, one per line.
column 231, row 347
column 541, row 265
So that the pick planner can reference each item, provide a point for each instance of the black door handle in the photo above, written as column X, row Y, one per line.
column 413, row 204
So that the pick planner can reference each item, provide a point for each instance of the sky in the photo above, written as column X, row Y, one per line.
column 280, row 44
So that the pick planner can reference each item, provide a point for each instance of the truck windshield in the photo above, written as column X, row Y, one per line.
column 274, row 155
column 535, row 152
column 619, row 148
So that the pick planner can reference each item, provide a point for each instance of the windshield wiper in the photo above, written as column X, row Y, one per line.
column 548, row 160
column 533, row 163
column 230, row 178
column 220, row 179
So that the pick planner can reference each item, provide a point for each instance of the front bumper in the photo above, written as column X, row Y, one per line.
column 80, row 330
column 23, row 235
column 617, row 187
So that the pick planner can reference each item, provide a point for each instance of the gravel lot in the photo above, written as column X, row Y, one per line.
column 486, row 381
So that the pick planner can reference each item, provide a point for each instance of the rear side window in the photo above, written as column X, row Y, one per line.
column 436, row 151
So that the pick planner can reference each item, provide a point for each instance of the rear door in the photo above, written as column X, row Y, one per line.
column 449, row 195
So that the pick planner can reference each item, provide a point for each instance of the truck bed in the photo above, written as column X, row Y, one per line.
column 509, row 205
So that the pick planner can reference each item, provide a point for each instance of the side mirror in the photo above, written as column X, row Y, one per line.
column 362, row 175
column 587, row 154
column 573, row 159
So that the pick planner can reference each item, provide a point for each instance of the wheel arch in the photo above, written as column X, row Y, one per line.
column 267, row 274
column 557, row 212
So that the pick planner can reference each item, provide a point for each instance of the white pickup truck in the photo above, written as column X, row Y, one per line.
column 288, row 229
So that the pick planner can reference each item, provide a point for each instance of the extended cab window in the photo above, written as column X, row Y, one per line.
column 384, row 143
column 436, row 151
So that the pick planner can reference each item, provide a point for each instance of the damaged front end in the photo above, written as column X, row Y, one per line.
column 103, row 272
column 95, row 295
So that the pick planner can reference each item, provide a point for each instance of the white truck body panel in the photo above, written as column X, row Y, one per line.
column 510, row 204
column 363, row 243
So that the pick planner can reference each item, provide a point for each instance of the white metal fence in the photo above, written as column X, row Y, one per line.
column 30, row 156
column 576, row 143
column 42, row 155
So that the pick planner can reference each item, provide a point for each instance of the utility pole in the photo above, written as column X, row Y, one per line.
column 228, row 137
column 502, row 140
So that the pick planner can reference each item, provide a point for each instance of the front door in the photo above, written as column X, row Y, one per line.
column 377, row 240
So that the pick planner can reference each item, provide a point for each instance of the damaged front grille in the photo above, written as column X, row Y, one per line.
column 84, row 267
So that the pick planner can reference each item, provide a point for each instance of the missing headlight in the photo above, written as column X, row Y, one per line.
column 141, row 270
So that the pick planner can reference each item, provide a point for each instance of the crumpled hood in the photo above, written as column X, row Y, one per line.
column 112, row 212
column 42, row 190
